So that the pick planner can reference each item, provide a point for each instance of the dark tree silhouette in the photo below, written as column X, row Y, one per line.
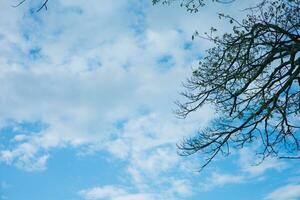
column 42, row 6
column 252, row 78
column 190, row 5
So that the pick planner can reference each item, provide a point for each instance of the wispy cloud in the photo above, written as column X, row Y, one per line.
column 25, row 156
column 287, row 192
column 103, row 78
column 250, row 163
column 221, row 179
column 123, row 193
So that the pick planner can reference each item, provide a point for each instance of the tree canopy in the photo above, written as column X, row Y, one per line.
column 190, row 5
column 252, row 78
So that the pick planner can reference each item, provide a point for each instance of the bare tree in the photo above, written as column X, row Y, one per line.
column 42, row 6
column 252, row 78
column 190, row 5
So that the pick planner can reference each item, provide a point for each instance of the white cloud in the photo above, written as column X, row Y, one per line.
column 93, row 71
column 106, row 192
column 114, row 193
column 20, row 138
column 26, row 157
column 221, row 179
column 249, row 163
column 288, row 192
column 98, row 86
column 181, row 187
column 161, row 159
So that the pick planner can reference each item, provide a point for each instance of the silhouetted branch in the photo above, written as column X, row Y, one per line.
column 44, row 5
column 251, row 76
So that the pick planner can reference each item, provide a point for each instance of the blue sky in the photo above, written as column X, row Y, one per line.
column 86, row 108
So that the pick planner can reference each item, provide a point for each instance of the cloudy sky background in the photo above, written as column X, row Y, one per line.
column 86, row 108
